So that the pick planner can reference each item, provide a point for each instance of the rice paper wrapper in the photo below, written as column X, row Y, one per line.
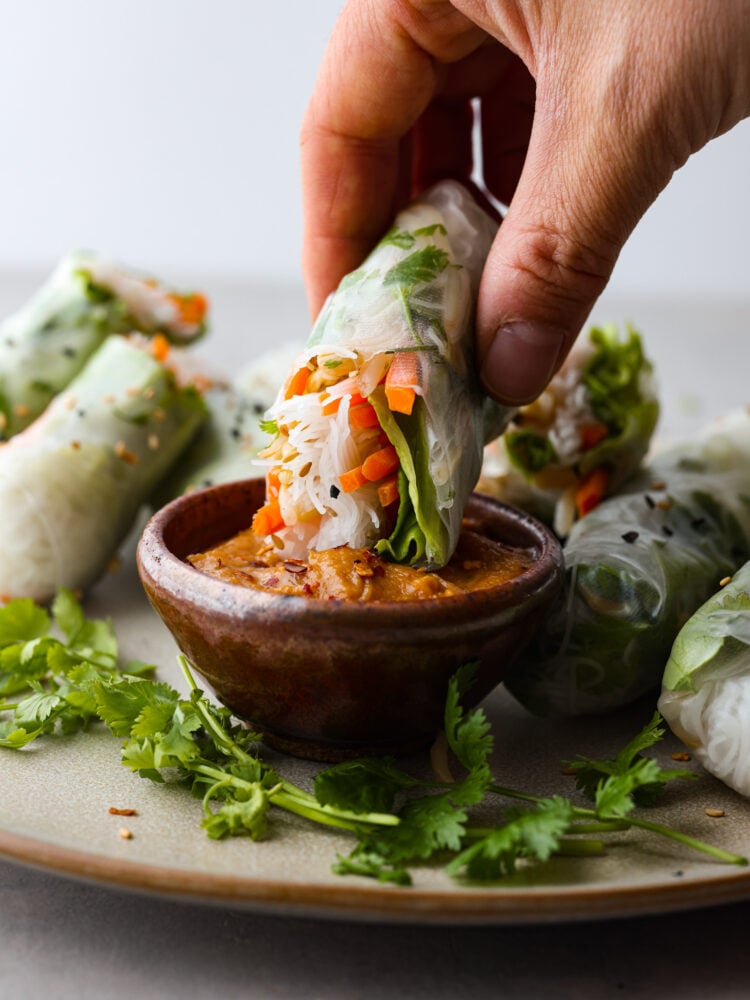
column 705, row 695
column 596, row 416
column 72, row 483
column 637, row 567
column 416, row 292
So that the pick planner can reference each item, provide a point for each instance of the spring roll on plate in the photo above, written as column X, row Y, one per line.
column 585, row 435
column 46, row 343
column 71, row 484
column 706, row 687
column 380, row 423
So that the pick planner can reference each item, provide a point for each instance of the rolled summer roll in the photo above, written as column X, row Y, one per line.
column 706, row 687
column 583, row 437
column 71, row 484
column 637, row 567
column 379, row 426
column 47, row 342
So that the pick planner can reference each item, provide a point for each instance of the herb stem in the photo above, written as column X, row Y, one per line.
column 579, row 848
column 699, row 845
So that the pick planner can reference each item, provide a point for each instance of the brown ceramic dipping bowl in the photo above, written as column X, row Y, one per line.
column 327, row 680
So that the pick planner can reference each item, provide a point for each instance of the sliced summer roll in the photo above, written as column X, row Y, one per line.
column 71, row 484
column 380, row 424
column 706, row 687
column 637, row 567
column 583, row 437
column 48, row 341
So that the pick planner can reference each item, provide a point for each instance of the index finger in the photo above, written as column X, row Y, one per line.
column 379, row 73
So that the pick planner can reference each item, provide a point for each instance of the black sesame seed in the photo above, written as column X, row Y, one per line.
column 208, row 482
column 69, row 352
column 334, row 492
column 667, row 530
column 698, row 523
column 9, row 342
column 630, row 537
column 649, row 501
column 235, row 433
column 80, row 413
column 258, row 409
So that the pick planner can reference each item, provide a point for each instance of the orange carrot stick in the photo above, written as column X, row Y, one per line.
column 590, row 490
column 192, row 308
column 268, row 519
column 352, row 480
column 273, row 483
column 400, row 382
column 592, row 434
column 159, row 347
column 388, row 491
column 332, row 406
column 297, row 383
column 363, row 416
column 380, row 464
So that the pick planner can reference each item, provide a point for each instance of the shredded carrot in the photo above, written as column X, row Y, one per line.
column 363, row 416
column 268, row 519
column 400, row 382
column 590, row 491
column 380, row 464
column 352, row 480
column 388, row 491
column 297, row 383
column 159, row 347
column 273, row 484
column 192, row 308
column 332, row 407
column 592, row 434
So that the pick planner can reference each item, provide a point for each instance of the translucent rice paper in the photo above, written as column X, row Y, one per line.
column 72, row 483
column 606, row 385
column 48, row 341
column 706, row 688
column 224, row 449
column 637, row 567
column 416, row 292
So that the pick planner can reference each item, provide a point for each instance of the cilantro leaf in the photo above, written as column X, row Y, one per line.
column 528, row 833
column 370, row 864
column 362, row 786
column 418, row 268
column 246, row 813
column 468, row 732
column 14, row 737
column 21, row 620
column 637, row 783
column 401, row 238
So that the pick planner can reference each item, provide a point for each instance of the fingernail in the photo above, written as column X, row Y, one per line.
column 520, row 361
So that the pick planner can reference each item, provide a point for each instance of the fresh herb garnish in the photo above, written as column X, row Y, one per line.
column 397, row 819
column 268, row 426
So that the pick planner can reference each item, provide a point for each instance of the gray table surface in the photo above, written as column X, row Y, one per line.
column 64, row 938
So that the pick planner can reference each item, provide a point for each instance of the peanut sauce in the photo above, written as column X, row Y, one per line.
column 479, row 563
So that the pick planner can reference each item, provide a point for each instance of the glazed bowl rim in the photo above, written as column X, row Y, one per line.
column 174, row 574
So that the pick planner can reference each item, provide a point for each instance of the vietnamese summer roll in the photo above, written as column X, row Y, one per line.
column 380, row 424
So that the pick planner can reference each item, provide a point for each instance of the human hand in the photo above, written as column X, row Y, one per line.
column 625, row 90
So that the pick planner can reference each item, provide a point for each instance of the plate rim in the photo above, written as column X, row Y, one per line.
column 378, row 903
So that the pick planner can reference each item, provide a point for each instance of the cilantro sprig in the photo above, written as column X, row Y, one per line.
column 53, row 684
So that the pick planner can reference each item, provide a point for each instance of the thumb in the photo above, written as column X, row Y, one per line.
column 581, row 192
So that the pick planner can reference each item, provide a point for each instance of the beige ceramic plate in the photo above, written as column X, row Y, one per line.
column 55, row 800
